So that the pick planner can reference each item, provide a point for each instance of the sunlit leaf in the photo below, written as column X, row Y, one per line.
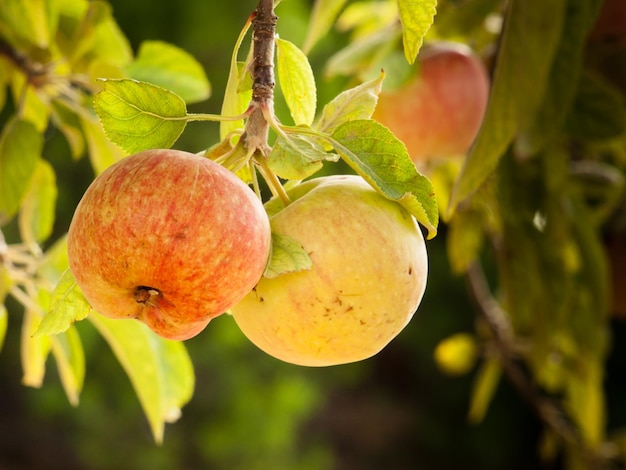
column 34, row 21
column 484, row 388
column 323, row 17
column 382, row 160
column 358, row 57
column 102, row 152
column 171, row 68
column 20, row 152
column 287, row 256
column 54, row 263
column 529, row 40
column 66, row 120
column 236, row 96
column 139, row 116
column 465, row 239
column 160, row 370
column 34, row 350
column 586, row 403
column 36, row 216
column 68, row 353
column 67, row 305
column 296, row 82
column 417, row 18
column 298, row 156
column 356, row 103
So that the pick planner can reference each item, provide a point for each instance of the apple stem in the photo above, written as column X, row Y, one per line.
column 262, row 71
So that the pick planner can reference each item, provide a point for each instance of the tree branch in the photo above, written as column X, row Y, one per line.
column 262, row 72
column 546, row 409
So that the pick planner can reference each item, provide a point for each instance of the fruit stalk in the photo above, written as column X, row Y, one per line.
column 262, row 72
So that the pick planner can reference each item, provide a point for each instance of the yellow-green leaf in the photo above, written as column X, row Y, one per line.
column 417, row 17
column 102, row 152
column 356, row 103
column 36, row 216
column 4, row 323
column 139, row 116
column 34, row 350
column 383, row 161
column 20, row 152
column 297, row 156
column 296, row 82
column 172, row 68
column 287, row 256
column 529, row 40
column 68, row 353
column 160, row 370
column 67, row 305
column 323, row 17
column 485, row 386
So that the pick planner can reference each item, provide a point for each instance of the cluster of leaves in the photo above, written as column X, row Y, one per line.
column 71, row 62
column 51, row 54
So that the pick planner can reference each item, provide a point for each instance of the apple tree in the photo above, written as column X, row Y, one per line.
column 530, row 204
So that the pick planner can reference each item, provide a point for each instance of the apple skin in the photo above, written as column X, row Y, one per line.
column 439, row 111
column 169, row 238
column 368, row 276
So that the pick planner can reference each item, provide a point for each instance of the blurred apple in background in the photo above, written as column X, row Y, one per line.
column 439, row 111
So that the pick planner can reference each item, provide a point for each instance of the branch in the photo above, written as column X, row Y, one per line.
column 546, row 409
column 262, row 72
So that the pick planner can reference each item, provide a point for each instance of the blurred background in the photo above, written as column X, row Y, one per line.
column 250, row 411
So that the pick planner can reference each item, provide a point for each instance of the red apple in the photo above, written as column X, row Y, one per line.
column 170, row 238
column 439, row 112
column 368, row 275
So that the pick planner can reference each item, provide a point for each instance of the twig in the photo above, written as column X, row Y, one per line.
column 262, row 71
column 546, row 409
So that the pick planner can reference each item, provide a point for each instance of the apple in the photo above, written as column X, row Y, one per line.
column 169, row 238
column 439, row 111
column 368, row 275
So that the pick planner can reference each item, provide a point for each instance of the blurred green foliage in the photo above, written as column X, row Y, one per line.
column 249, row 411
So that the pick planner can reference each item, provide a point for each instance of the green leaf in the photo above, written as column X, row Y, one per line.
column 20, row 152
column 563, row 81
column 34, row 350
column 67, row 305
column 322, row 19
column 416, row 18
column 599, row 110
column 34, row 21
column 296, row 156
column 296, row 82
column 66, row 120
column 358, row 57
column 160, row 370
column 54, row 263
column 485, row 386
column 171, row 68
column 102, row 152
column 68, row 353
column 356, row 103
column 528, row 43
column 383, row 161
column 139, row 116
column 236, row 98
column 465, row 239
column 287, row 256
column 36, row 216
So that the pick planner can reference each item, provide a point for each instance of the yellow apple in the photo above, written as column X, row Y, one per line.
column 368, row 276
column 169, row 238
